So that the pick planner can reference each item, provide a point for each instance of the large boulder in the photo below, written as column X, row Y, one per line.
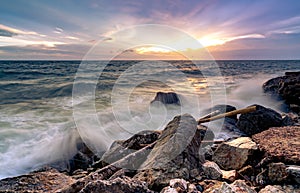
column 167, row 98
column 175, row 154
column 287, row 87
column 280, row 143
column 117, row 185
column 259, row 120
column 234, row 154
column 120, row 149
column 46, row 180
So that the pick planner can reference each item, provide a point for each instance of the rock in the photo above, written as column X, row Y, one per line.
column 294, row 173
column 277, row 172
column 47, row 180
column 281, row 143
column 259, row 120
column 212, row 170
column 230, row 175
column 223, row 109
column 120, row 149
column 210, row 185
column 286, row 87
column 83, row 159
column 234, row 154
column 279, row 189
column 180, row 186
column 175, row 154
column 238, row 186
column 118, row 185
column 167, row 98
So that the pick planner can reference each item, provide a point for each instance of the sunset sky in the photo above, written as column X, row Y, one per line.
column 68, row 29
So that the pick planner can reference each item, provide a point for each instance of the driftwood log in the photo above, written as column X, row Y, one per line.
column 228, row 114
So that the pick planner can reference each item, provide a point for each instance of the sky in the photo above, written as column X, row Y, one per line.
column 226, row 29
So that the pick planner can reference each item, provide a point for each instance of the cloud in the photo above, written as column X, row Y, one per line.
column 10, row 32
column 58, row 30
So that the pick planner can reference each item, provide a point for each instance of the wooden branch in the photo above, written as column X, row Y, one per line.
column 228, row 114
column 212, row 114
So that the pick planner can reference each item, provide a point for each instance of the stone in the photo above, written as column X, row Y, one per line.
column 280, row 189
column 167, row 98
column 238, row 186
column 117, row 185
column 175, row 154
column 259, row 120
column 280, row 143
column 230, row 175
column 277, row 172
column 294, row 172
column 212, row 170
column 286, row 87
column 234, row 154
column 120, row 149
column 180, row 186
column 46, row 180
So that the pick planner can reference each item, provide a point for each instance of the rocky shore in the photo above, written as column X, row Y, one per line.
column 184, row 158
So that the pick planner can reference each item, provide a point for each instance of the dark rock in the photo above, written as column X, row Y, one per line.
column 167, row 98
column 212, row 170
column 117, row 185
column 277, row 172
column 83, row 159
column 175, row 154
column 224, row 109
column 294, row 173
column 259, row 120
column 47, row 180
column 287, row 87
column 234, row 154
column 120, row 149
column 281, row 143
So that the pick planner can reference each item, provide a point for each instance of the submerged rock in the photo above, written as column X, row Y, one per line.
column 280, row 143
column 167, row 98
column 47, row 180
column 234, row 154
column 175, row 154
column 259, row 120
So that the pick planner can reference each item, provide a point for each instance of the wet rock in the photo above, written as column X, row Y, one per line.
column 234, row 154
column 212, row 170
column 279, row 189
column 294, row 173
column 286, row 87
column 47, row 180
column 281, row 143
column 120, row 149
column 230, row 175
column 175, row 154
column 277, row 172
column 167, row 98
column 118, row 185
column 259, row 120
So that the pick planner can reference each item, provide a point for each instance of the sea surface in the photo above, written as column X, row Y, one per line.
column 46, row 105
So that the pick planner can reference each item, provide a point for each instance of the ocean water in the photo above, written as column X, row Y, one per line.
column 46, row 105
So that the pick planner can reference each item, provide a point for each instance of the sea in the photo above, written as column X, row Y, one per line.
column 46, row 106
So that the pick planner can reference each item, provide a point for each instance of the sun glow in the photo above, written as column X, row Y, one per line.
column 151, row 49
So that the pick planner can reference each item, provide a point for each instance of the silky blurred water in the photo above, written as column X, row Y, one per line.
column 36, row 107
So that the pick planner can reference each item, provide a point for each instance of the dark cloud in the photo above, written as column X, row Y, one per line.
column 7, row 33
